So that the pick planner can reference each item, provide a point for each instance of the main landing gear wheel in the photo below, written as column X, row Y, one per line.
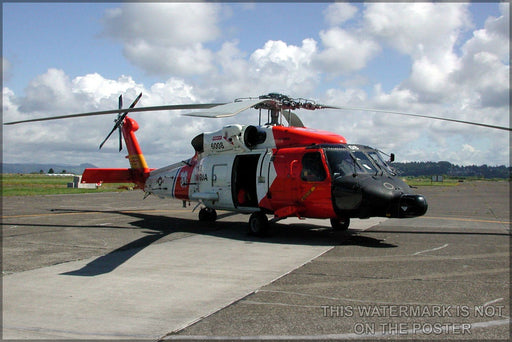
column 258, row 224
column 207, row 215
column 340, row 223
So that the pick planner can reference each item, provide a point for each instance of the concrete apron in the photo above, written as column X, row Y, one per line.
column 162, row 288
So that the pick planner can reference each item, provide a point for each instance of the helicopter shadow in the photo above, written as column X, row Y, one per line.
column 158, row 227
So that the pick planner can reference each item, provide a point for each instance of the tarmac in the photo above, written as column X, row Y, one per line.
column 114, row 266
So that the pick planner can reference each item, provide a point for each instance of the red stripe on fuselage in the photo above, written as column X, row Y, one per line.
column 182, row 182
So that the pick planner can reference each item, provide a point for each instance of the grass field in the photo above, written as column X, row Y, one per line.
column 36, row 184
column 424, row 181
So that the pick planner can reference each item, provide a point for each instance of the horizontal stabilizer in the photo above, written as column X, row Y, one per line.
column 97, row 175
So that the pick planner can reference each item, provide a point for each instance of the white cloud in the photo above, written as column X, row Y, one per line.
column 275, row 67
column 452, row 84
column 484, row 73
column 100, row 88
column 164, row 136
column 418, row 29
column 50, row 91
column 281, row 66
column 344, row 51
column 169, row 60
column 339, row 12
column 468, row 148
column 165, row 38
column 428, row 33
column 163, row 24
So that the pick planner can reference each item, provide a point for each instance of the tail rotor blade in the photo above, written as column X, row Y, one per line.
column 119, row 121
column 108, row 136
column 135, row 101
column 118, row 125
column 120, row 139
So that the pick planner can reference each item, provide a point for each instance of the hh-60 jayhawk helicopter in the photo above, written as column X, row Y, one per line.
column 272, row 168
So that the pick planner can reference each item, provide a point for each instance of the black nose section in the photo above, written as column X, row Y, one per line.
column 412, row 206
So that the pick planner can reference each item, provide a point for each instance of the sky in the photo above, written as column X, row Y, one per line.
column 442, row 59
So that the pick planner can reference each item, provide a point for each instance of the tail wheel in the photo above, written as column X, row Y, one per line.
column 340, row 223
column 207, row 215
column 258, row 224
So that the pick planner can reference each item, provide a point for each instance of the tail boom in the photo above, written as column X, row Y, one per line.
column 138, row 171
column 119, row 175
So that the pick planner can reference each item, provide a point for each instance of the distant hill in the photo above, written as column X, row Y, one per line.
column 444, row 168
column 36, row 168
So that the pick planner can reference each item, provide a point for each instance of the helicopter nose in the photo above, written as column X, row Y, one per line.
column 412, row 206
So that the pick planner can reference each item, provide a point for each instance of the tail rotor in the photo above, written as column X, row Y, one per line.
column 118, row 123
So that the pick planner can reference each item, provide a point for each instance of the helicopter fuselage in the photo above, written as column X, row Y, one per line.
column 287, row 171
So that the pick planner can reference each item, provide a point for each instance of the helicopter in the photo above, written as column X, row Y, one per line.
column 273, row 168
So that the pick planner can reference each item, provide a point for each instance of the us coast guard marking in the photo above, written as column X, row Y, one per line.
column 202, row 177
column 174, row 181
column 184, row 179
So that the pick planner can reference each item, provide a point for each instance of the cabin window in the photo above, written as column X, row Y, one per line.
column 313, row 168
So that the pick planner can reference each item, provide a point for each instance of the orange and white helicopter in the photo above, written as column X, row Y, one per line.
column 271, row 168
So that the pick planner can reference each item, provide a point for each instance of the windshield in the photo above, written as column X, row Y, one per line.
column 377, row 158
column 365, row 162
column 342, row 163
column 356, row 159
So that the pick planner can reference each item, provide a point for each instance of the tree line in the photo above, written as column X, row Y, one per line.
column 444, row 168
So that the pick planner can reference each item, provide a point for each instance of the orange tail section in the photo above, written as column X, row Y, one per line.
column 138, row 171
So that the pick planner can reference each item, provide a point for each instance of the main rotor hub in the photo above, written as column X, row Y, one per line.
column 278, row 102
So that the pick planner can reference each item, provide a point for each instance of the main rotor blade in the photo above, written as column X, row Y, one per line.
column 227, row 109
column 117, row 111
column 425, row 116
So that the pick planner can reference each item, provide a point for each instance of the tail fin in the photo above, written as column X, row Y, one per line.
column 139, row 167
column 138, row 171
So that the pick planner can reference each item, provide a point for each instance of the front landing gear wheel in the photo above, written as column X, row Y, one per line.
column 340, row 223
column 207, row 215
column 258, row 224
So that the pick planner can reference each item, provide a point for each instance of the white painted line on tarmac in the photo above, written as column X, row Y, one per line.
column 431, row 250
column 493, row 301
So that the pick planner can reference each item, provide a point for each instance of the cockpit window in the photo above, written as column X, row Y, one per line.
column 365, row 162
column 377, row 158
column 355, row 159
column 313, row 167
column 341, row 162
